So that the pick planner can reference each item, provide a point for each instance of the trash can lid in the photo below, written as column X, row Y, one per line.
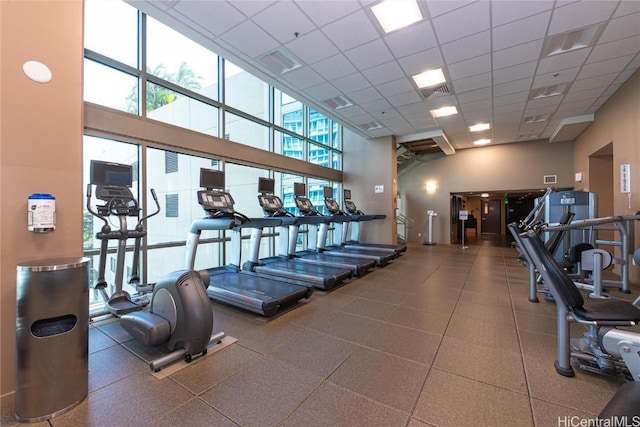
column 53, row 264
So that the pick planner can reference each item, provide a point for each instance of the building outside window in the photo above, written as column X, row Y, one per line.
column 181, row 86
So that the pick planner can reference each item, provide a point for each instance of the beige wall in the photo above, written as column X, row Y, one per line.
column 366, row 164
column 40, row 144
column 616, row 122
column 492, row 168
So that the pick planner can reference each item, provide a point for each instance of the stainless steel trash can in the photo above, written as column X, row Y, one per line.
column 52, row 337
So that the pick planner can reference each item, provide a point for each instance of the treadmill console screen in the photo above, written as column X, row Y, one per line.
column 110, row 174
column 328, row 192
column 347, row 194
column 266, row 185
column 212, row 179
column 351, row 207
column 299, row 189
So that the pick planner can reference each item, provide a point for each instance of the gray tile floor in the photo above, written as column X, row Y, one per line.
column 441, row 337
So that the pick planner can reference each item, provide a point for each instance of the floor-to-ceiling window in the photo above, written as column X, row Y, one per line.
column 137, row 65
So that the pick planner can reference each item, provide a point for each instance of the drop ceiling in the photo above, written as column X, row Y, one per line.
column 499, row 59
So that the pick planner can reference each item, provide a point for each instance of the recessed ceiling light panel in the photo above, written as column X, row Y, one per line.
column 429, row 78
column 482, row 142
column 444, row 111
column 395, row 14
column 480, row 127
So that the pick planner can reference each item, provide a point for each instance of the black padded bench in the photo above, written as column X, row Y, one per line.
column 625, row 403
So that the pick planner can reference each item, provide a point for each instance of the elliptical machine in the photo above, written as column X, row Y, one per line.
column 180, row 316
column 112, row 181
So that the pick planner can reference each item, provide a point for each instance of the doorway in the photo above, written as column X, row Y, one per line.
column 491, row 216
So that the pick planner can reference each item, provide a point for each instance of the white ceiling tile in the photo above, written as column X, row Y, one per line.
column 470, row 19
column 216, row 17
column 354, row 111
column 474, row 95
column 627, row 7
column 624, row 47
column 519, row 32
column 623, row 76
column 604, row 67
column 341, row 32
column 554, row 78
column 467, row 47
column 351, row 83
column 483, row 105
column 580, row 14
column 303, row 77
column 515, row 72
column 589, row 95
column 512, row 87
column 415, row 108
column 511, row 98
column 593, row 82
column 364, row 95
column 440, row 7
column 322, row 14
column 384, row 73
column 470, row 67
column 415, row 38
column 546, row 105
column 473, row 83
column 395, row 87
column 517, row 54
column 621, row 28
column 440, row 101
column 369, row 54
column 373, row 107
column 421, row 61
column 312, row 47
column 251, row 7
column 282, row 20
column 564, row 61
column 407, row 98
column 503, row 12
column 334, row 67
column 323, row 91
column 249, row 39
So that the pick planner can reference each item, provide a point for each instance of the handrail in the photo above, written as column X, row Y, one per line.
column 406, row 223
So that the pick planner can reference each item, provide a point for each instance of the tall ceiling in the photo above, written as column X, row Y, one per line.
column 494, row 55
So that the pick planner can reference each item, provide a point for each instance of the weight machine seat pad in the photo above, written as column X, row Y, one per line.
column 625, row 403
column 608, row 310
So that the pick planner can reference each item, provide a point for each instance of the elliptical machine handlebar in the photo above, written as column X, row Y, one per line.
column 139, row 226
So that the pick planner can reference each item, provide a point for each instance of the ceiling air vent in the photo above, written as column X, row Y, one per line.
column 550, row 179
column 537, row 118
column 573, row 40
column 436, row 90
column 371, row 126
column 280, row 61
column 338, row 102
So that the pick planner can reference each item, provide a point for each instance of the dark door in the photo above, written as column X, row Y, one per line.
column 491, row 216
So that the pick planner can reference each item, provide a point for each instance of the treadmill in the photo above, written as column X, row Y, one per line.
column 358, row 216
column 314, row 219
column 229, row 283
column 306, row 208
column 286, row 265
